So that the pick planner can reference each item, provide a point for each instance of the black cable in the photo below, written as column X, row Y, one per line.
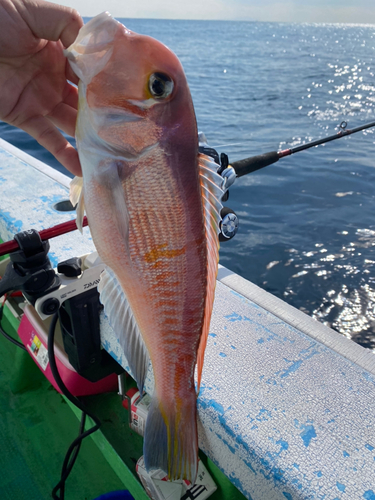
column 72, row 453
column 68, row 463
column 69, row 460
column 4, row 333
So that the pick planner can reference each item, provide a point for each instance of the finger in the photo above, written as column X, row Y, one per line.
column 64, row 117
column 71, row 96
column 50, row 21
column 48, row 136
column 70, row 75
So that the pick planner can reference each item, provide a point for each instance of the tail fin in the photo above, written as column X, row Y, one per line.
column 171, row 440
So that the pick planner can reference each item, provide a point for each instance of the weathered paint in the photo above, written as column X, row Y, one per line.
column 281, row 412
column 27, row 199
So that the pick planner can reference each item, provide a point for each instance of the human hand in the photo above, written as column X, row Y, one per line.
column 35, row 94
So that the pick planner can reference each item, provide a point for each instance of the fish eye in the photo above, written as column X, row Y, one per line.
column 160, row 85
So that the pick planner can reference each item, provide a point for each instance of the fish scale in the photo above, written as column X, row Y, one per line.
column 153, row 205
column 166, row 260
column 165, row 227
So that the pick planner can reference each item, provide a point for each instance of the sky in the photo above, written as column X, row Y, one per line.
column 300, row 11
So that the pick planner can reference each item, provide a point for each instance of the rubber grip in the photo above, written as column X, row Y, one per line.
column 248, row 165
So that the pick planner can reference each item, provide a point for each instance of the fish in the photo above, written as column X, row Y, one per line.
column 153, row 205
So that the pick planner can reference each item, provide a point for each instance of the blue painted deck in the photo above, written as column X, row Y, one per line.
column 287, row 406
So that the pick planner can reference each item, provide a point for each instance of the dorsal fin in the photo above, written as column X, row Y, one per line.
column 212, row 193
column 123, row 323
column 76, row 198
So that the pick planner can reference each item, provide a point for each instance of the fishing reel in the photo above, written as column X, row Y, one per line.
column 229, row 219
column 71, row 292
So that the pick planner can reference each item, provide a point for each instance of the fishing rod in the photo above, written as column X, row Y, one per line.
column 45, row 234
column 249, row 165
column 241, row 167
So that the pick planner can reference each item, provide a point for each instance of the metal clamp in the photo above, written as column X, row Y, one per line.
column 229, row 176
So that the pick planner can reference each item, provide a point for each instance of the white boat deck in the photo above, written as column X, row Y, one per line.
column 287, row 406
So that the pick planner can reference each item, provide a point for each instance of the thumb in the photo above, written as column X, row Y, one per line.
column 50, row 21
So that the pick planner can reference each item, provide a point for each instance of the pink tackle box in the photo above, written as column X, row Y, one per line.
column 34, row 334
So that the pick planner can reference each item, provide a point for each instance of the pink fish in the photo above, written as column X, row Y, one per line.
column 153, row 205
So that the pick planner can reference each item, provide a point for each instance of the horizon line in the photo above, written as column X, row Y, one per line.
column 239, row 21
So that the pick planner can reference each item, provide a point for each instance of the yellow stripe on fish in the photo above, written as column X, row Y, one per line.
column 161, row 252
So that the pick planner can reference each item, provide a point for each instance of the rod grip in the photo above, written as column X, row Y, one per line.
column 248, row 165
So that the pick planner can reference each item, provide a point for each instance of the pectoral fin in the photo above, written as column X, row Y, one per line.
column 76, row 199
column 109, row 177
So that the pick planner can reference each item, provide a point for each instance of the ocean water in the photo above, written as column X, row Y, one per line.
column 307, row 223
